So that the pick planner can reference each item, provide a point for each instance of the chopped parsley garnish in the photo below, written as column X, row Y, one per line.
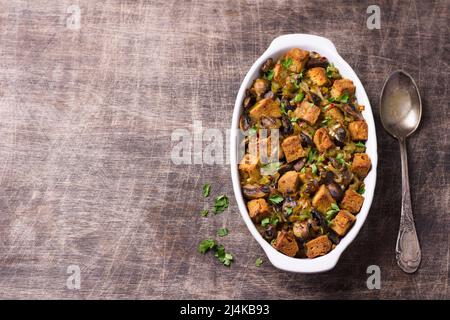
column 286, row 63
column 283, row 108
column 276, row 199
column 314, row 168
column 361, row 189
column 271, row 168
column 331, row 69
column 303, row 170
column 252, row 131
column 360, row 144
column 219, row 251
column 344, row 98
column 206, row 189
column 265, row 222
column 258, row 262
column 288, row 211
column 204, row 213
column 299, row 97
column 331, row 99
column 220, row 204
column 340, row 158
column 225, row 257
column 294, row 119
column 311, row 155
column 206, row 245
column 269, row 75
column 222, row 232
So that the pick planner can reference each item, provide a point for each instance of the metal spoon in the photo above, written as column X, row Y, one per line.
column 400, row 112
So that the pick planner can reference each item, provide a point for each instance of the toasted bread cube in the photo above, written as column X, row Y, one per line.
column 288, row 183
column 279, row 73
column 249, row 166
column 322, row 140
column 318, row 247
column 260, row 87
column 307, row 111
column 342, row 222
column 265, row 107
column 286, row 243
column 342, row 86
column 361, row 164
column 358, row 130
column 323, row 200
column 352, row 201
column 292, row 148
column 318, row 76
column 258, row 209
column 335, row 114
column 298, row 57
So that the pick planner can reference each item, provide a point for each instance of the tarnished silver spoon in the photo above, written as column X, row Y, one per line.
column 400, row 112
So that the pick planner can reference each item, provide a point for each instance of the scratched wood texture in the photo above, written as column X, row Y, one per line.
column 86, row 118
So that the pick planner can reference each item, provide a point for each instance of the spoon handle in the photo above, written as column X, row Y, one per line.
column 407, row 251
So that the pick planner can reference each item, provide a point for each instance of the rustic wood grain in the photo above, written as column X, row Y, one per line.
column 86, row 118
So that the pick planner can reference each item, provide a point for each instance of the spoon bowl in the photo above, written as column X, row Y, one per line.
column 400, row 107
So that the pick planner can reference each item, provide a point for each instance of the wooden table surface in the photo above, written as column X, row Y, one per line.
column 86, row 118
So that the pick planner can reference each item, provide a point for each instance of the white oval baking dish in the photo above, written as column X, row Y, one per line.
column 326, row 48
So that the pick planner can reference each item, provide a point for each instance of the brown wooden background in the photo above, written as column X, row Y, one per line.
column 85, row 136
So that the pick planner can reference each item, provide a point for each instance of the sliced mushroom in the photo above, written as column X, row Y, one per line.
column 301, row 230
column 287, row 127
column 254, row 191
column 267, row 65
column 245, row 122
column 299, row 165
column 335, row 191
column 317, row 62
column 351, row 110
column 270, row 123
column 306, row 140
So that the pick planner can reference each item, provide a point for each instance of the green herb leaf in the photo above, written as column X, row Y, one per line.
column 311, row 155
column 361, row 189
column 206, row 245
column 225, row 257
column 222, row 232
column 220, row 204
column 331, row 99
column 360, row 144
column 276, row 199
column 206, row 189
column 271, row 167
column 288, row 211
column 344, row 98
column 314, row 168
column 269, row 75
column 299, row 97
column 204, row 213
column 274, row 221
column 258, row 262
column 334, row 206
column 265, row 222
column 294, row 119
column 331, row 69
column 340, row 158
column 252, row 131
column 286, row 63
column 303, row 170
column 283, row 108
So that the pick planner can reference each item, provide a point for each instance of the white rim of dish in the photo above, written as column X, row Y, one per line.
column 325, row 48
